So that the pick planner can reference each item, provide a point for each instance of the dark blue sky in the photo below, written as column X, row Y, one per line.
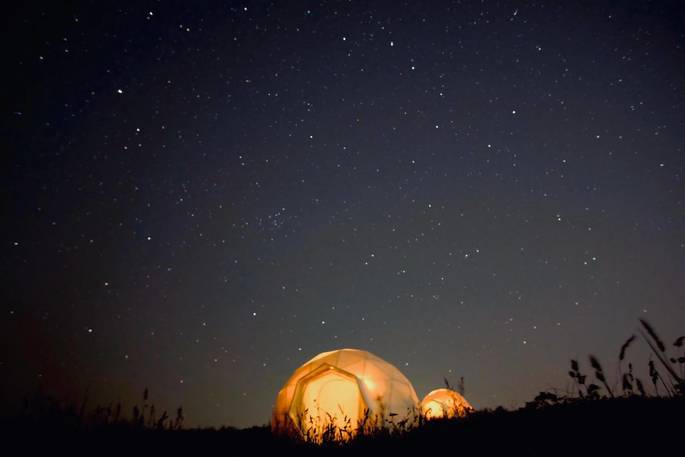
column 200, row 197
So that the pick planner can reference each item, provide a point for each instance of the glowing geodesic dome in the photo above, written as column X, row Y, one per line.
column 340, row 391
column 445, row 403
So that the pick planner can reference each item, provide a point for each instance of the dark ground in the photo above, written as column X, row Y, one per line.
column 611, row 427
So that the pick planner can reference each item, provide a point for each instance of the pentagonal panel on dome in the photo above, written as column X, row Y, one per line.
column 327, row 397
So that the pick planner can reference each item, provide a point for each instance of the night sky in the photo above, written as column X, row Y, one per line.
column 199, row 197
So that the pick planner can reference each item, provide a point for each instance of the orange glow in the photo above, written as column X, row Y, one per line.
column 331, row 398
column 444, row 403
column 369, row 383
column 331, row 395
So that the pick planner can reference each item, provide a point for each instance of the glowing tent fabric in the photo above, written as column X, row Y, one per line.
column 444, row 403
column 339, row 391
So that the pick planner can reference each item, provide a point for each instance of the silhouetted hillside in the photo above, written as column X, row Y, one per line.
column 621, row 426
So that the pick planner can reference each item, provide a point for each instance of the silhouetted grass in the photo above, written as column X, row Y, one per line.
column 42, row 412
column 622, row 426
column 594, row 419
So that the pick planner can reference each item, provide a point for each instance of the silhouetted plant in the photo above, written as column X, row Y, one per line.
column 42, row 409
column 627, row 381
column 676, row 382
column 624, row 347
column 640, row 387
column 672, row 385
column 544, row 399
column 678, row 343
column 578, row 377
column 162, row 420
column 599, row 373
column 655, row 376
column 178, row 423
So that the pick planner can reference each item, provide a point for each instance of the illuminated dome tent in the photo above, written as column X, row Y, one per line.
column 340, row 390
column 444, row 403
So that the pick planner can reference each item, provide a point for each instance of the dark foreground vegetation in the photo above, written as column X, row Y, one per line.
column 627, row 416
column 607, row 427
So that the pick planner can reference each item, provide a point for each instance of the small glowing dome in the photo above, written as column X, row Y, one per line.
column 444, row 403
column 334, row 394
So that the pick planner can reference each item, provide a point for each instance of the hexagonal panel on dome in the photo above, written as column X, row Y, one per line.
column 327, row 397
